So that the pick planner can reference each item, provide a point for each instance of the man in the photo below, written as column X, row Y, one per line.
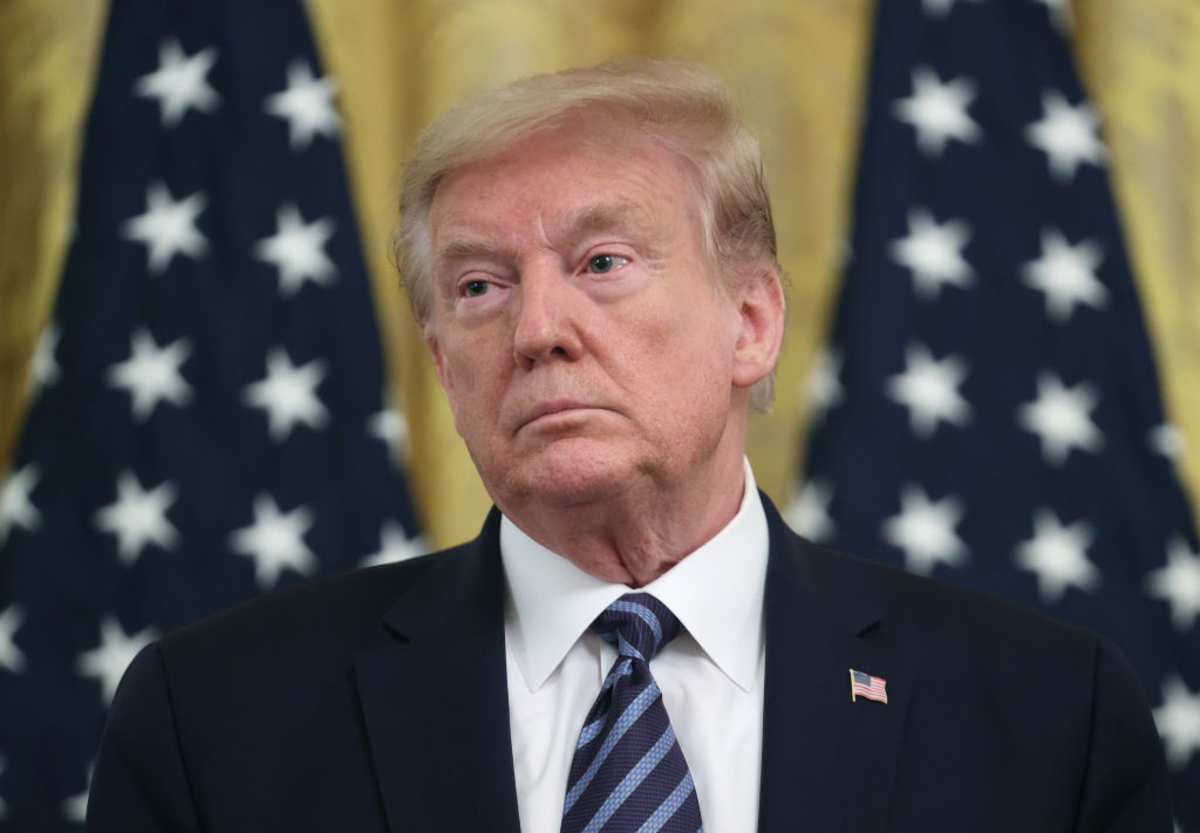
column 636, row 641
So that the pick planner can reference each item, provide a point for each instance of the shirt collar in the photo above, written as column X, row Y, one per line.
column 716, row 592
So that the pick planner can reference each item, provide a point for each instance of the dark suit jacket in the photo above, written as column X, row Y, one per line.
column 377, row 701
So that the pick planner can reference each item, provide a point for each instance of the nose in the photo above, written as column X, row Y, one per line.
column 546, row 323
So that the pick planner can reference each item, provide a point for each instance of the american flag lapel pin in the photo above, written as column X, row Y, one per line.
column 868, row 687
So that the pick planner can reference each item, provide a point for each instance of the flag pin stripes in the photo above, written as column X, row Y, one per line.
column 868, row 687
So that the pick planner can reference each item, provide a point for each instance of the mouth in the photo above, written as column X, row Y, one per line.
column 551, row 408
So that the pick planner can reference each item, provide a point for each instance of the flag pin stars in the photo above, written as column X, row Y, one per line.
column 868, row 687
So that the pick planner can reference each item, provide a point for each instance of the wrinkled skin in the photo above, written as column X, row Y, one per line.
column 597, row 366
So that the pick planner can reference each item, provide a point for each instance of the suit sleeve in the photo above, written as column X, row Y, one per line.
column 140, row 783
column 1125, row 787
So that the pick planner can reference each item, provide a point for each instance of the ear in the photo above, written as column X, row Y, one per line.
column 761, row 313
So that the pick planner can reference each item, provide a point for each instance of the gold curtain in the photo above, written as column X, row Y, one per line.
column 48, row 53
column 1141, row 62
column 798, row 69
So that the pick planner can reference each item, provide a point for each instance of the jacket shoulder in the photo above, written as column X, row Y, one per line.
column 337, row 609
column 933, row 607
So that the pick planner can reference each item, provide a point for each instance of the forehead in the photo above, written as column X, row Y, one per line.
column 594, row 171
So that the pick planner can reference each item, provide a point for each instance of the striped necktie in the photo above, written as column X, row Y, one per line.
column 629, row 774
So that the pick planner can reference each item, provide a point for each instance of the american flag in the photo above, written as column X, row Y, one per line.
column 988, row 409
column 209, row 418
column 864, row 685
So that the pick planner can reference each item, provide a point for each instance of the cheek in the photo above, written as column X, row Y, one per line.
column 470, row 391
column 701, row 332
column 461, row 376
column 687, row 359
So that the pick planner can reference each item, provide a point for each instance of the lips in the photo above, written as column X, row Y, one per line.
column 552, row 406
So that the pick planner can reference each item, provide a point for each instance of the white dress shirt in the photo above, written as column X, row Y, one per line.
column 711, row 675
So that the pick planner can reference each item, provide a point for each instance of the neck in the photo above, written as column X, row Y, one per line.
column 635, row 536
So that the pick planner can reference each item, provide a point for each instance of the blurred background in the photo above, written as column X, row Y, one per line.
column 211, row 386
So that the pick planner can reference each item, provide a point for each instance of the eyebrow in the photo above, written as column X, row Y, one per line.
column 620, row 216
column 467, row 248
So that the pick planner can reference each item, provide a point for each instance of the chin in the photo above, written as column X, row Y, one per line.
column 569, row 472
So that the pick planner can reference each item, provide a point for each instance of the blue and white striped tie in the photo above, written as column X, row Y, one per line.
column 629, row 774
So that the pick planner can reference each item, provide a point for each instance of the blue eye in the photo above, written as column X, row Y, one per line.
column 473, row 289
column 602, row 264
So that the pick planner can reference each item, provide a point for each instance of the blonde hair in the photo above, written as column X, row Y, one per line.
column 685, row 107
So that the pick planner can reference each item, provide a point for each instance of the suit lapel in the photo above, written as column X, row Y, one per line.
column 828, row 762
column 435, row 700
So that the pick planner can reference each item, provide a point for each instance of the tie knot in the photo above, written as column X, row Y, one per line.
column 638, row 624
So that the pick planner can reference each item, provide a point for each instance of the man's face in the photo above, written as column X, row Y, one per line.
column 578, row 327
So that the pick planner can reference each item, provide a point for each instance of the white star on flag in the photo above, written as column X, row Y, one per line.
column 151, row 374
column 168, row 227
column 924, row 530
column 934, row 253
column 1059, row 416
column 139, row 517
column 823, row 386
column 44, row 370
column 1178, row 584
column 940, row 8
column 307, row 104
column 275, row 541
column 1167, row 440
column 16, row 507
column 1178, row 720
column 1057, row 554
column 1060, row 12
column 179, row 82
column 928, row 388
column 288, row 394
column 808, row 511
column 1068, row 135
column 938, row 111
column 390, row 426
column 394, row 545
column 297, row 250
column 108, row 660
column 11, row 657
column 75, row 808
column 1066, row 274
